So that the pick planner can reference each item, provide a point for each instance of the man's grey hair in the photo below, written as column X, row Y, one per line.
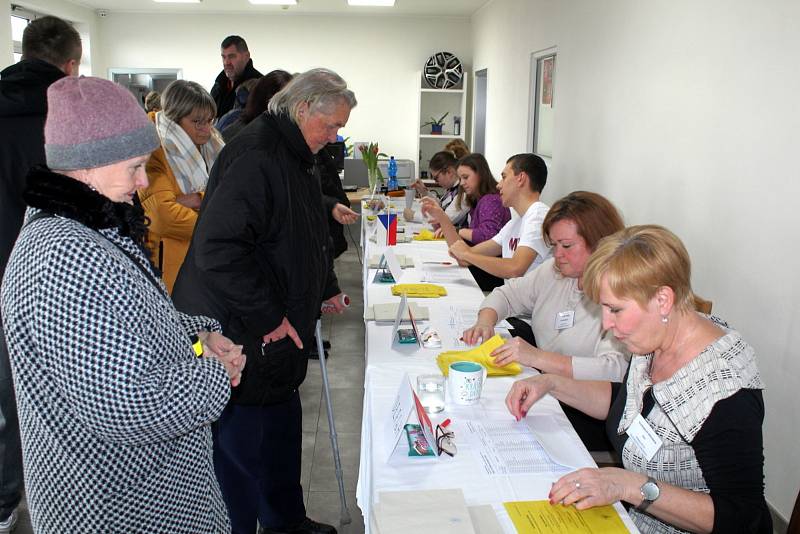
column 181, row 97
column 321, row 89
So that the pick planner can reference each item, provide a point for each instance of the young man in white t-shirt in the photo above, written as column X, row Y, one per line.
column 519, row 246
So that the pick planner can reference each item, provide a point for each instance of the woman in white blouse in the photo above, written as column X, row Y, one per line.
column 567, row 325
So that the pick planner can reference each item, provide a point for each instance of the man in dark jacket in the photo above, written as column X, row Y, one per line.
column 237, row 67
column 51, row 49
column 260, row 263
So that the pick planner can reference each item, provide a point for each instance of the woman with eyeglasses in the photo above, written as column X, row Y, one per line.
column 442, row 168
column 178, row 172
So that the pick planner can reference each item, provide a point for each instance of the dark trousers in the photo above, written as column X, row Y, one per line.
column 10, row 447
column 485, row 281
column 257, row 451
column 522, row 329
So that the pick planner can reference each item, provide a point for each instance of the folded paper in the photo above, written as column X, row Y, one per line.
column 419, row 290
column 480, row 354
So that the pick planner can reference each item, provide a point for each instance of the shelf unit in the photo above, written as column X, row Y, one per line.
column 434, row 103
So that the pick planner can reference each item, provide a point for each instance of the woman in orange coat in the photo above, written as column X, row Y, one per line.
column 178, row 172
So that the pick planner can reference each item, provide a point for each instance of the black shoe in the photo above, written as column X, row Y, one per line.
column 326, row 344
column 308, row 526
column 314, row 355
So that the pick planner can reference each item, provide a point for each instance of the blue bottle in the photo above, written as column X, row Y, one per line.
column 392, row 185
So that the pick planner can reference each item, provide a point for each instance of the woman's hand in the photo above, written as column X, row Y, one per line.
column 587, row 488
column 432, row 210
column 478, row 331
column 516, row 350
column 421, row 188
column 438, row 233
column 343, row 215
column 217, row 346
column 190, row 200
column 524, row 393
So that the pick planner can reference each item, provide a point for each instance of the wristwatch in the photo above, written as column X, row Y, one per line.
column 650, row 493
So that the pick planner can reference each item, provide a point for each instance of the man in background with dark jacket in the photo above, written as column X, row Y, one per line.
column 51, row 49
column 260, row 264
column 237, row 67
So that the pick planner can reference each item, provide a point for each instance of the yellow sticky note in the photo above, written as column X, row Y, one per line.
column 541, row 517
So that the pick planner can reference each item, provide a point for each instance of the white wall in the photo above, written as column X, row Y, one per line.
column 378, row 57
column 684, row 114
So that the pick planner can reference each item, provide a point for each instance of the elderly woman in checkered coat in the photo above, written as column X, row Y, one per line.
column 116, row 389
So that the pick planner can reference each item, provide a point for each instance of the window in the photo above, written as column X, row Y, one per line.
column 543, row 77
column 18, row 24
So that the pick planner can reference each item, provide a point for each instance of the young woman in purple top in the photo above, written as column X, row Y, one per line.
column 486, row 212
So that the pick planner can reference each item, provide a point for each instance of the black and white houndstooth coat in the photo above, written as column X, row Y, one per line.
column 114, row 408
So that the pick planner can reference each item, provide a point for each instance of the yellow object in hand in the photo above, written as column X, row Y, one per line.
column 427, row 235
column 419, row 290
column 482, row 355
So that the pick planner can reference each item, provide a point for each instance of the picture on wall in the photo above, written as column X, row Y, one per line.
column 547, row 81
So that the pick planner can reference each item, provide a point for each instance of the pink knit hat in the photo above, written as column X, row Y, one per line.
column 93, row 122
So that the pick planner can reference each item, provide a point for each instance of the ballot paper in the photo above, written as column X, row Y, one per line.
column 509, row 448
column 541, row 517
column 460, row 318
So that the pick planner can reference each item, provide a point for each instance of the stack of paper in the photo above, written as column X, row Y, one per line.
column 432, row 511
column 386, row 313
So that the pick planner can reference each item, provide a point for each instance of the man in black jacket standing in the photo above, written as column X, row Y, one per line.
column 237, row 67
column 260, row 263
column 51, row 49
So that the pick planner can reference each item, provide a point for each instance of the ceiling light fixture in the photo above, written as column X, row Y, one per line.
column 381, row 3
column 274, row 2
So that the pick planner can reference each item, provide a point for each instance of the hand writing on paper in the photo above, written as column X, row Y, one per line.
column 343, row 215
column 283, row 330
column 516, row 350
column 479, row 331
column 524, row 393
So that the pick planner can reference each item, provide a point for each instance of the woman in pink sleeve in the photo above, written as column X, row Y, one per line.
column 486, row 212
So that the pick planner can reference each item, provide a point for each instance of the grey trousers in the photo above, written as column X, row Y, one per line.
column 10, row 447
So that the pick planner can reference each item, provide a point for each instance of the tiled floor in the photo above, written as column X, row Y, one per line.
column 346, row 379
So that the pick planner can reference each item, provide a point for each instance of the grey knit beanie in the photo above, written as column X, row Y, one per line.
column 93, row 122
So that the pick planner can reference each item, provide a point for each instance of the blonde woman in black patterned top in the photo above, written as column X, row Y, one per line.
column 686, row 419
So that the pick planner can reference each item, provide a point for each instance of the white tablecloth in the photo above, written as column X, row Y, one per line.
column 386, row 365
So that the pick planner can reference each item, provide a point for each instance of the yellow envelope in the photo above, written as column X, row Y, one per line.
column 480, row 354
column 427, row 235
column 419, row 290
column 541, row 517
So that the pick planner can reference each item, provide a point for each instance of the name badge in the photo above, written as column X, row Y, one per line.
column 565, row 319
column 644, row 437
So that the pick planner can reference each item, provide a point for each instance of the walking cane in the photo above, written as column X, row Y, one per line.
column 344, row 514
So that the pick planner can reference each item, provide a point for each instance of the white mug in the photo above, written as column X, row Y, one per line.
column 465, row 382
